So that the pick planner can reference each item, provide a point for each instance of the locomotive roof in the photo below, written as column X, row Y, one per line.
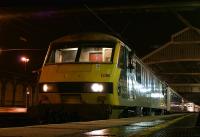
column 89, row 36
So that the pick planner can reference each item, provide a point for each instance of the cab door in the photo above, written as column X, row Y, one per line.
column 122, row 64
column 125, row 86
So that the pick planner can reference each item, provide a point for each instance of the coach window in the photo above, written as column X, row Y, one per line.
column 164, row 90
column 138, row 72
column 122, row 62
column 153, row 84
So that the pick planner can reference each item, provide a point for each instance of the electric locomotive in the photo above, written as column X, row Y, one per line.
column 97, row 76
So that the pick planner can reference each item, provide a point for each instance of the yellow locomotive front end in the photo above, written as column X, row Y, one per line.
column 80, row 76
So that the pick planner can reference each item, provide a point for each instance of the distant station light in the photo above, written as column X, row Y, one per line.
column 25, row 59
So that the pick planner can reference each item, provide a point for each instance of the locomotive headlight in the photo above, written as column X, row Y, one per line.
column 45, row 87
column 50, row 87
column 96, row 87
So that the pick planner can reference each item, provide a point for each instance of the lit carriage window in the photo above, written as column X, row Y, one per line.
column 153, row 83
column 95, row 54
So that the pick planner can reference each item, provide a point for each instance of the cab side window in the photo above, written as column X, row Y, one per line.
column 123, row 56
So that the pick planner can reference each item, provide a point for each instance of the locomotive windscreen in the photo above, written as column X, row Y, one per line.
column 81, row 52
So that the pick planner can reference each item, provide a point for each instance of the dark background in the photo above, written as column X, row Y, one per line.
column 28, row 26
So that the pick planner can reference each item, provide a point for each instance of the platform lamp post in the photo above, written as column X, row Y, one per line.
column 25, row 60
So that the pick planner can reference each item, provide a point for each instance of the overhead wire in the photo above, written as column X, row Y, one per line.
column 105, row 23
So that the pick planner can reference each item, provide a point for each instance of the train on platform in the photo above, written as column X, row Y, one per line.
column 191, row 107
column 97, row 76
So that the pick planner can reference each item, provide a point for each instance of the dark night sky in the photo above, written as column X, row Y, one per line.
column 144, row 29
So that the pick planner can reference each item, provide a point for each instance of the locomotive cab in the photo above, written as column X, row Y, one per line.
column 78, row 69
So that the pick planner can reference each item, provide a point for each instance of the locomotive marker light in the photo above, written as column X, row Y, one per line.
column 96, row 87
column 45, row 87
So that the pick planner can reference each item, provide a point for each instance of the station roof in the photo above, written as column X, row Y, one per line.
column 178, row 62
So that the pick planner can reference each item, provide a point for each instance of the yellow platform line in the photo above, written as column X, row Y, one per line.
column 149, row 131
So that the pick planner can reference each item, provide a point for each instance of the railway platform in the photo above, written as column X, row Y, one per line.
column 176, row 125
column 13, row 110
column 186, row 127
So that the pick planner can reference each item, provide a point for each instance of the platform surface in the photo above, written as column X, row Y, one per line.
column 125, row 127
